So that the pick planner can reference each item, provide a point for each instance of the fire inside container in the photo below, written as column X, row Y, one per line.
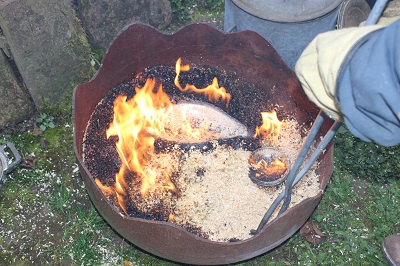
column 202, row 181
column 195, row 207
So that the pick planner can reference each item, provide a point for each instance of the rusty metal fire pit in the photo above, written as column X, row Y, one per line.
column 250, row 57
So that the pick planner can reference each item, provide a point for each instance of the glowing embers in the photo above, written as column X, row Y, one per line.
column 145, row 181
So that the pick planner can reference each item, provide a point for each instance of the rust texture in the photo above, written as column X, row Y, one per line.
column 250, row 57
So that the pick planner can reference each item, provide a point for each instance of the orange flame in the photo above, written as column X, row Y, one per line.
column 117, row 189
column 213, row 91
column 276, row 167
column 270, row 130
column 137, row 124
column 139, row 121
column 271, row 125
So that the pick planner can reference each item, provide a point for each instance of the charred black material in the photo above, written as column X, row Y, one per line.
column 245, row 143
column 270, row 85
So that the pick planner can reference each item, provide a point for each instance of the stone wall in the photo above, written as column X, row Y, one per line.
column 103, row 19
column 15, row 103
column 46, row 46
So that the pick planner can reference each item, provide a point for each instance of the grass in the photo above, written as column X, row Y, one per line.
column 189, row 11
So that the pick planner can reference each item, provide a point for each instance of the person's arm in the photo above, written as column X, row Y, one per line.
column 354, row 75
column 368, row 87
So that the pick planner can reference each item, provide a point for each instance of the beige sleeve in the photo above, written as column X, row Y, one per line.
column 319, row 64
column 391, row 13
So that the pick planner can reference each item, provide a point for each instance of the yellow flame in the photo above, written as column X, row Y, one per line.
column 139, row 121
column 275, row 167
column 213, row 91
column 271, row 125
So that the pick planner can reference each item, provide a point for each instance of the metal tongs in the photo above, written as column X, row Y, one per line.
column 295, row 174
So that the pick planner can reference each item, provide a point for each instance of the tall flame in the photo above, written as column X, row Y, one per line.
column 213, row 91
column 136, row 124
column 139, row 121
column 271, row 125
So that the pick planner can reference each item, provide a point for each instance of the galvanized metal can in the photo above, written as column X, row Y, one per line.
column 288, row 25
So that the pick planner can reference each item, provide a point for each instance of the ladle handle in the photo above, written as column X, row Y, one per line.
column 17, row 157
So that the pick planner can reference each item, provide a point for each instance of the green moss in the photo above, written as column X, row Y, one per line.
column 96, row 57
column 366, row 160
column 78, row 45
column 185, row 12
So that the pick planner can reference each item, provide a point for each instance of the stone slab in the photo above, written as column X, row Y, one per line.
column 15, row 103
column 104, row 19
column 48, row 45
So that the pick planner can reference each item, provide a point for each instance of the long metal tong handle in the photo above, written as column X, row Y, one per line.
column 372, row 19
column 299, row 161
column 295, row 175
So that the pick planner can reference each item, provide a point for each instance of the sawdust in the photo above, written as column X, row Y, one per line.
column 213, row 193
column 218, row 196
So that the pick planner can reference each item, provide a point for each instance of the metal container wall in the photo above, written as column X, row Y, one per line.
column 288, row 25
column 248, row 55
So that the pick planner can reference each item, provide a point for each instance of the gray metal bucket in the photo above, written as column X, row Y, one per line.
column 288, row 25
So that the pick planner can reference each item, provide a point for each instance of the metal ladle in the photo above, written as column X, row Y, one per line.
column 295, row 175
column 259, row 162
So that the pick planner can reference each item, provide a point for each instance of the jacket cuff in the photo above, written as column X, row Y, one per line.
column 319, row 65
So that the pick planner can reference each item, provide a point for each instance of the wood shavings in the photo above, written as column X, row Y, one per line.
column 218, row 196
column 214, row 196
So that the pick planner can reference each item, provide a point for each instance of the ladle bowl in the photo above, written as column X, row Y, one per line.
column 262, row 160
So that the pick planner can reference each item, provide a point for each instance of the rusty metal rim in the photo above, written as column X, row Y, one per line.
column 164, row 239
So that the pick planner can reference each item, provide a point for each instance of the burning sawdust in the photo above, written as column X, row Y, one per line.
column 218, row 196
column 159, row 197
column 211, row 193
